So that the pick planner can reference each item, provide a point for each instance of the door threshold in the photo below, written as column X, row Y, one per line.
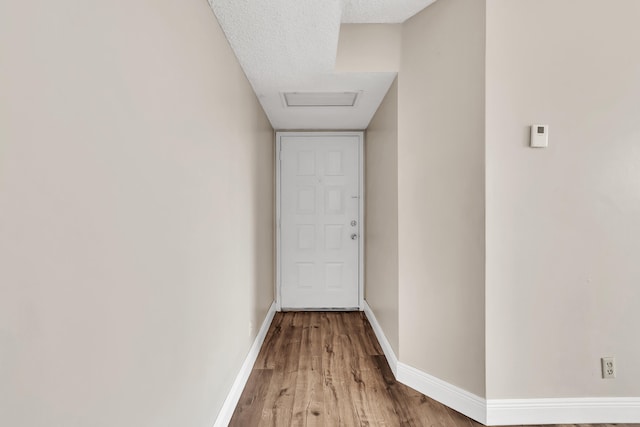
column 320, row 309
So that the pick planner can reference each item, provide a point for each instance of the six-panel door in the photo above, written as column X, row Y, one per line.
column 320, row 222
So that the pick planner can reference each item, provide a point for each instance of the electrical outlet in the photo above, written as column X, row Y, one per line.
column 608, row 367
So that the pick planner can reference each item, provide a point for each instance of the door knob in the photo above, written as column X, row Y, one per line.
column 354, row 236
column 353, row 223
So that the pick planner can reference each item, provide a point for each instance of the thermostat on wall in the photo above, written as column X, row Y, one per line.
column 540, row 136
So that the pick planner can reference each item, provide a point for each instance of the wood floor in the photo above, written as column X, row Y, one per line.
column 327, row 369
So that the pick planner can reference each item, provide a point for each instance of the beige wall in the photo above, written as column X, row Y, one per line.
column 136, row 204
column 441, row 192
column 381, row 251
column 369, row 47
column 563, row 223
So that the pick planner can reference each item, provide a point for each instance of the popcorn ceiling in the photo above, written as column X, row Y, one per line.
column 290, row 45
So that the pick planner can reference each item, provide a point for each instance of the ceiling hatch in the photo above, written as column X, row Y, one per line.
column 320, row 99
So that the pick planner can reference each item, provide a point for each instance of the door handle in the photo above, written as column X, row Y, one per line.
column 354, row 236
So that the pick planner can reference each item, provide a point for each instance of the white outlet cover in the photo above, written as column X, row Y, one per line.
column 608, row 367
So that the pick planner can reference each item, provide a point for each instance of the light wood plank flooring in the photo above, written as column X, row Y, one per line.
column 327, row 369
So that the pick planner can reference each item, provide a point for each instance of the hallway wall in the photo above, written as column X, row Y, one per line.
column 381, row 251
column 441, row 193
column 136, row 214
column 369, row 48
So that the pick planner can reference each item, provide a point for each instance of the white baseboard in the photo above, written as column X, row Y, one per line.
column 230, row 403
column 392, row 359
column 599, row 410
column 494, row 412
column 448, row 394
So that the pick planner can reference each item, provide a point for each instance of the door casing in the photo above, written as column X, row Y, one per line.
column 360, row 136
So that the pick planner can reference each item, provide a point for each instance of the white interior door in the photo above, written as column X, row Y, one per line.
column 319, row 262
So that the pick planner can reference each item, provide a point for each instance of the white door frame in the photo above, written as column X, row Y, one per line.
column 360, row 136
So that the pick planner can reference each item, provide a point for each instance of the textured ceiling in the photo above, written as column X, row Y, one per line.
column 290, row 46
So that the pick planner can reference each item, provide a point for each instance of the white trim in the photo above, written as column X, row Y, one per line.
column 448, row 394
column 461, row 400
column 392, row 359
column 361, row 218
column 490, row 412
column 278, row 272
column 230, row 403
column 586, row 410
column 360, row 136
column 496, row 412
